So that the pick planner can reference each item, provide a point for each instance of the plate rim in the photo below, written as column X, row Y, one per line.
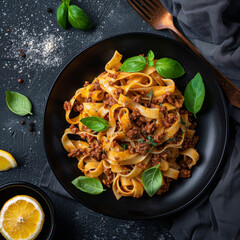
column 225, row 114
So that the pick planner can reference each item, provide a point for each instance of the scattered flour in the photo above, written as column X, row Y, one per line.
column 44, row 49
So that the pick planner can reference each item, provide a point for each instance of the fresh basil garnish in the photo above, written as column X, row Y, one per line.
column 134, row 64
column 62, row 14
column 95, row 123
column 174, row 139
column 150, row 141
column 88, row 185
column 194, row 94
column 150, row 55
column 152, row 180
column 150, row 95
column 18, row 103
column 169, row 68
column 124, row 146
column 78, row 18
column 150, row 58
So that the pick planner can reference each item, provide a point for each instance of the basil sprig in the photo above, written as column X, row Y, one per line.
column 74, row 15
column 62, row 13
column 88, row 185
column 95, row 123
column 134, row 64
column 18, row 103
column 166, row 67
column 138, row 63
column 169, row 68
column 152, row 180
column 194, row 94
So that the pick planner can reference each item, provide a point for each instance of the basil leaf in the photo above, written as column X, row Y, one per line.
column 169, row 68
column 62, row 13
column 18, row 103
column 88, row 185
column 134, row 64
column 152, row 180
column 78, row 18
column 194, row 94
column 150, row 56
column 95, row 123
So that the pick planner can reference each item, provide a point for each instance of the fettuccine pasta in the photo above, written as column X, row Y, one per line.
column 147, row 126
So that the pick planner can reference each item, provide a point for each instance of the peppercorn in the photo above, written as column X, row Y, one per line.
column 31, row 129
column 49, row 10
column 22, row 122
column 31, row 124
column 20, row 80
column 23, row 55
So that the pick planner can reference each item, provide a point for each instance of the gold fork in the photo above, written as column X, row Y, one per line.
column 154, row 13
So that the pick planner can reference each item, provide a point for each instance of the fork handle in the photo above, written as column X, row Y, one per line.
column 231, row 90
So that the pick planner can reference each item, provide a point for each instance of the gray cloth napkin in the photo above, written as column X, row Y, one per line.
column 213, row 26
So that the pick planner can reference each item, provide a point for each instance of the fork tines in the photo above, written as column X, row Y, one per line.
column 145, row 8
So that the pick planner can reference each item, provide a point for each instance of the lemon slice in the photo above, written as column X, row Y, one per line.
column 7, row 161
column 21, row 218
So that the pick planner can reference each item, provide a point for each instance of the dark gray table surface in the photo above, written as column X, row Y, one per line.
column 26, row 25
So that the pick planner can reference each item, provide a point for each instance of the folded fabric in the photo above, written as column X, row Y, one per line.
column 49, row 181
column 213, row 26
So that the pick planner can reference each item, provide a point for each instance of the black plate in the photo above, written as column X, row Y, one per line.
column 10, row 190
column 212, row 125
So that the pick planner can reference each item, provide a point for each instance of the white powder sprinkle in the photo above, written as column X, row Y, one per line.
column 44, row 49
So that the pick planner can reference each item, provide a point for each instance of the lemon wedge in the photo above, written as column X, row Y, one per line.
column 21, row 218
column 7, row 161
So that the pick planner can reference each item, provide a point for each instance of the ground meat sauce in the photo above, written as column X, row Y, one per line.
column 95, row 86
column 109, row 102
column 112, row 75
column 165, row 187
column 77, row 107
column 109, row 177
column 190, row 142
column 132, row 133
column 156, row 159
column 73, row 128
column 185, row 173
column 142, row 148
column 169, row 120
column 141, row 129
column 96, row 150
column 67, row 106
column 168, row 97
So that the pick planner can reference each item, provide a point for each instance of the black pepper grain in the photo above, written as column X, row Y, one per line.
column 23, row 55
column 22, row 122
column 49, row 10
column 31, row 129
column 31, row 124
